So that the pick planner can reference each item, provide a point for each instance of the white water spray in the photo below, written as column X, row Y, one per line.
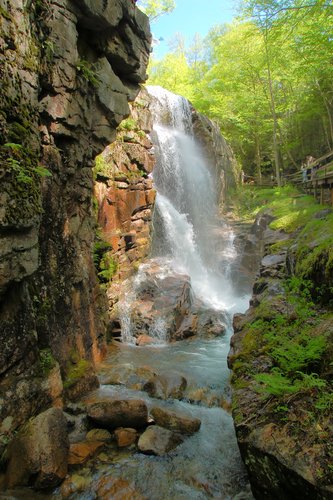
column 186, row 204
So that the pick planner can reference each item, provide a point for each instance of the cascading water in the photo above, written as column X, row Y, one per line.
column 186, row 204
column 190, row 244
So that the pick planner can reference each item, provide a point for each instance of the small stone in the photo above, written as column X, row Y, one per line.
column 81, row 452
column 99, row 435
column 125, row 437
column 166, row 385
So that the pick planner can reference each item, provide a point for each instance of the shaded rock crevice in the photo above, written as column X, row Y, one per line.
column 61, row 101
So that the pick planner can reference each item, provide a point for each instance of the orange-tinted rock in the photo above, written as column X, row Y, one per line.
column 81, row 452
column 125, row 437
column 145, row 340
column 116, row 489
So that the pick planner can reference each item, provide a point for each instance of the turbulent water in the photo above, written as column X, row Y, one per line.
column 189, row 238
column 187, row 226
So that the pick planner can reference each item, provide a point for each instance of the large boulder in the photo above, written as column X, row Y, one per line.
column 39, row 453
column 158, row 441
column 175, row 421
column 119, row 413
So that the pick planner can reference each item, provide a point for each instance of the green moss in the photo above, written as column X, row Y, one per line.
column 129, row 124
column 75, row 372
column 17, row 133
column 5, row 14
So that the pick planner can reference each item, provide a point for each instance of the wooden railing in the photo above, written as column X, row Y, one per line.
column 318, row 179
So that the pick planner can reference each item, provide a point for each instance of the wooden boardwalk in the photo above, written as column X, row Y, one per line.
column 318, row 179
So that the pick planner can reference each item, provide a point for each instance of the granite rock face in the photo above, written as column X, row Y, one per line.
column 124, row 190
column 68, row 69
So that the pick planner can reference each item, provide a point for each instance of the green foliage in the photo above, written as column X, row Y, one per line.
column 46, row 361
column 19, row 163
column 105, row 264
column 108, row 267
column 128, row 124
column 102, row 167
column 156, row 8
column 5, row 14
column 88, row 73
column 49, row 50
column 266, row 78
column 290, row 342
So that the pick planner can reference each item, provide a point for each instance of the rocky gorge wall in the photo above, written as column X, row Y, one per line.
column 68, row 69
column 280, row 357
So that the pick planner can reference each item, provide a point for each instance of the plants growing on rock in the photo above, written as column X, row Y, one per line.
column 87, row 71
column 105, row 264
column 20, row 163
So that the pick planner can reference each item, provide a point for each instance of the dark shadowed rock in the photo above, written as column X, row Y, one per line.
column 175, row 421
column 158, row 441
column 119, row 413
column 38, row 455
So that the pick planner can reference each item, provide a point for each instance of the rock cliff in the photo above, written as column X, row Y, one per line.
column 281, row 360
column 68, row 69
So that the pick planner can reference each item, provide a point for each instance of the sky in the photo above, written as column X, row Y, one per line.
column 190, row 17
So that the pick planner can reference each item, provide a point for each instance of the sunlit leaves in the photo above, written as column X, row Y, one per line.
column 156, row 8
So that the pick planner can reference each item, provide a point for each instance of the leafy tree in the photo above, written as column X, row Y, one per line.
column 156, row 8
column 267, row 80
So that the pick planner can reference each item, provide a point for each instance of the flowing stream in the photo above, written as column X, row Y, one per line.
column 189, row 239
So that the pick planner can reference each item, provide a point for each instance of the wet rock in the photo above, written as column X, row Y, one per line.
column 161, row 304
column 117, row 412
column 99, row 435
column 117, row 489
column 129, row 375
column 74, row 484
column 125, row 437
column 63, row 119
column 158, row 441
column 38, row 455
column 86, row 383
column 145, row 340
column 204, row 396
column 273, row 260
column 175, row 421
column 164, row 386
column 77, row 426
column 81, row 452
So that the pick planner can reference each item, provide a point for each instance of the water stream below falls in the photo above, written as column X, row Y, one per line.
column 194, row 250
column 191, row 274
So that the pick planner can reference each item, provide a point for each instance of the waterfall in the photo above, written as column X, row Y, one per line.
column 187, row 227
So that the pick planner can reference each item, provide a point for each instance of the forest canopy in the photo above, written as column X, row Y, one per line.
column 267, row 79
